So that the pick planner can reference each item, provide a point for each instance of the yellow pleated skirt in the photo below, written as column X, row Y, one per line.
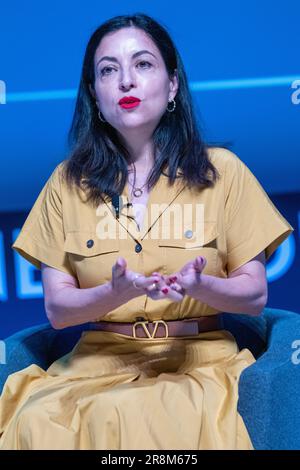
column 116, row 392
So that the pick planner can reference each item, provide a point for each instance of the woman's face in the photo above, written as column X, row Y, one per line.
column 121, row 72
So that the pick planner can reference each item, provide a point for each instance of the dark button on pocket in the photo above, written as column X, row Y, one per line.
column 138, row 248
column 90, row 243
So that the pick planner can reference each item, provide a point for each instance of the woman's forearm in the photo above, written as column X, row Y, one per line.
column 232, row 295
column 74, row 306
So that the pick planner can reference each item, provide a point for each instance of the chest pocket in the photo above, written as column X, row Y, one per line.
column 91, row 258
column 195, row 241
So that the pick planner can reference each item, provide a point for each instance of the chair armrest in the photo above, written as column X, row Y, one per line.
column 29, row 346
column 249, row 332
column 41, row 345
column 269, row 388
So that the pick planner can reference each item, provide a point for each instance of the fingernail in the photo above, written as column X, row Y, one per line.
column 156, row 280
column 173, row 279
column 165, row 290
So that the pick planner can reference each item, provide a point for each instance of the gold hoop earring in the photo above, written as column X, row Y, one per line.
column 173, row 104
column 99, row 115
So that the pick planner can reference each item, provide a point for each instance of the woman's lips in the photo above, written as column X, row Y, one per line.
column 129, row 105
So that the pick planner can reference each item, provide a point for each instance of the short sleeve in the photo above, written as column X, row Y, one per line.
column 252, row 222
column 42, row 237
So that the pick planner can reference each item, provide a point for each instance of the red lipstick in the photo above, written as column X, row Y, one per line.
column 128, row 102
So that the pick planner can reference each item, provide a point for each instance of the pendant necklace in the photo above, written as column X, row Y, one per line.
column 137, row 192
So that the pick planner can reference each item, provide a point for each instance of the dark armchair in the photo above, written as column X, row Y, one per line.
column 268, row 390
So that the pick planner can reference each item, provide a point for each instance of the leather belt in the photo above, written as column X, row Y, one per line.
column 161, row 328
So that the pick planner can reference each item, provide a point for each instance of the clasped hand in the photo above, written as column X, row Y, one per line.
column 174, row 286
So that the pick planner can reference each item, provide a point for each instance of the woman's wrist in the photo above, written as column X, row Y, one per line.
column 125, row 296
column 201, row 283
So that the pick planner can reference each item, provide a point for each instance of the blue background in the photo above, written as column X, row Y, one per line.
column 241, row 59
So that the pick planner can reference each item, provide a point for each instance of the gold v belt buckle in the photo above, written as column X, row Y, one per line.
column 145, row 328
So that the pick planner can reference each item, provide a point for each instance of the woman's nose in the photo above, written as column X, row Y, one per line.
column 127, row 81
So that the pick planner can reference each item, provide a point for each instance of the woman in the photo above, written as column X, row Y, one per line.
column 148, row 272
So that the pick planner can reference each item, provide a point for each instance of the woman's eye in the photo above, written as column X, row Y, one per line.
column 144, row 62
column 105, row 69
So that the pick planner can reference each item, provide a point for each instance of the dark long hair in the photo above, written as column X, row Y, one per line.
column 98, row 159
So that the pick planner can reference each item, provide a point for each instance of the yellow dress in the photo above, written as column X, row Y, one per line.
column 116, row 392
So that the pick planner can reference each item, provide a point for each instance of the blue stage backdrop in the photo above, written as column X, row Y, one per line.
column 242, row 67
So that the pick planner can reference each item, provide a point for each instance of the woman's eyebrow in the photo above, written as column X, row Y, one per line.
column 114, row 59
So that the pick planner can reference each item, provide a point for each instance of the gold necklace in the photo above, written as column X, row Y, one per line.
column 137, row 192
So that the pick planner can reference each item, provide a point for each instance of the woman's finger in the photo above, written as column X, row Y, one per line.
column 119, row 267
column 199, row 263
column 145, row 282
column 171, row 294
column 177, row 287
column 154, row 291
column 171, row 279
